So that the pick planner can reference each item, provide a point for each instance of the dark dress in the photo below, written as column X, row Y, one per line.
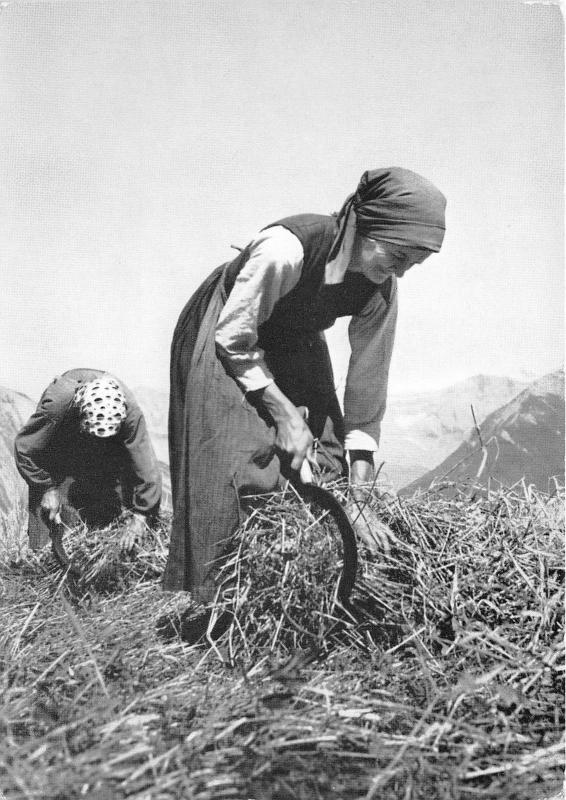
column 221, row 445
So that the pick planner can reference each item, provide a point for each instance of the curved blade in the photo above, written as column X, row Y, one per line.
column 58, row 548
column 326, row 500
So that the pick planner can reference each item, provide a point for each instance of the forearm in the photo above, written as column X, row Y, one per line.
column 371, row 338
column 28, row 455
column 37, row 479
column 144, row 471
column 278, row 404
column 147, row 497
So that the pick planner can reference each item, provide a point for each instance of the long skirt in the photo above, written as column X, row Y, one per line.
column 221, row 446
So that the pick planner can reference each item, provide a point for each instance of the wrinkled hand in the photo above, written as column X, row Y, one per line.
column 133, row 532
column 375, row 534
column 294, row 438
column 51, row 503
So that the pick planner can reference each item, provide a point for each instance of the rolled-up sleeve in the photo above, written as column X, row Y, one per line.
column 272, row 269
column 372, row 335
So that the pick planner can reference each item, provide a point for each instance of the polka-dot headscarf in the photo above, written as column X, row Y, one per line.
column 102, row 407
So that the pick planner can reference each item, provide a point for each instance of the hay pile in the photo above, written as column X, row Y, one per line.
column 442, row 680
column 456, row 566
column 98, row 563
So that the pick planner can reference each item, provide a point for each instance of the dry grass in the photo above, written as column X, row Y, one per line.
column 443, row 679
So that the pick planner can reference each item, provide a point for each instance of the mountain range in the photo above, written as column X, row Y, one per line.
column 155, row 407
column 524, row 439
column 421, row 429
column 425, row 436
column 15, row 409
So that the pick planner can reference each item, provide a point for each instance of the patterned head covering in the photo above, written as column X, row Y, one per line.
column 102, row 407
column 396, row 205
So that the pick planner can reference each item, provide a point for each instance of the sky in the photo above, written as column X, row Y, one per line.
column 141, row 138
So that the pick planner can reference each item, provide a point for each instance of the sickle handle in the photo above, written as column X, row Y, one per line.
column 305, row 472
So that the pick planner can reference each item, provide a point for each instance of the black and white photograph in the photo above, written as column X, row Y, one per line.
column 282, row 445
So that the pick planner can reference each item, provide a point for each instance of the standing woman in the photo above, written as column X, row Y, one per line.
column 249, row 355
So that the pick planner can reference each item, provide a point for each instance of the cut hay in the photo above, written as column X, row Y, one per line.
column 98, row 562
column 455, row 566
column 443, row 681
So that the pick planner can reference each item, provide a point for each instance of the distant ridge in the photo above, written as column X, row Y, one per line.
column 155, row 407
column 420, row 429
column 15, row 409
column 522, row 439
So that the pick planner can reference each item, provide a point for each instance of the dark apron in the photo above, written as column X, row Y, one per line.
column 220, row 445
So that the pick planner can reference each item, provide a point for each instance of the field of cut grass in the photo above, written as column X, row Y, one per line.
column 443, row 678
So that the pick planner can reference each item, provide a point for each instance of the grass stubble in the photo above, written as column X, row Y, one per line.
column 442, row 679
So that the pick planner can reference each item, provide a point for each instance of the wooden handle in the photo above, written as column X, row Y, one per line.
column 305, row 472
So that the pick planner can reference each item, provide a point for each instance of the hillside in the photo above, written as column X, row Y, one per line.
column 155, row 407
column 15, row 408
column 522, row 439
column 421, row 429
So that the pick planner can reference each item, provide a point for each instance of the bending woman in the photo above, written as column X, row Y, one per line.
column 249, row 356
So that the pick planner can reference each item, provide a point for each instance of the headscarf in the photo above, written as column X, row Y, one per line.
column 395, row 205
column 102, row 407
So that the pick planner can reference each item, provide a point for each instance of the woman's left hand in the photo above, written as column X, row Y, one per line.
column 133, row 532
column 375, row 534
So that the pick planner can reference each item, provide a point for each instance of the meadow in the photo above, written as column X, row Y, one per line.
column 442, row 678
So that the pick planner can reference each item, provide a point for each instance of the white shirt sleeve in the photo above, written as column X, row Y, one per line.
column 358, row 440
column 272, row 270
column 371, row 334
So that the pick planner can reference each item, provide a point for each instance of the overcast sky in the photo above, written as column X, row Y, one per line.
column 140, row 138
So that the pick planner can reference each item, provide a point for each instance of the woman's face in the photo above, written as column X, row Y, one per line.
column 379, row 260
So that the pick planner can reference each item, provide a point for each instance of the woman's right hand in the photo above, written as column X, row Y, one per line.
column 51, row 504
column 294, row 437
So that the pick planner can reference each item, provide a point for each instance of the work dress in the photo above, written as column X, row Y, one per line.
column 221, row 443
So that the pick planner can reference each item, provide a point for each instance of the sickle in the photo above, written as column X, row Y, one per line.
column 308, row 490
column 58, row 548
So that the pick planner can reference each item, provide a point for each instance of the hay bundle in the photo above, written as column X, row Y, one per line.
column 491, row 564
column 278, row 583
column 98, row 563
